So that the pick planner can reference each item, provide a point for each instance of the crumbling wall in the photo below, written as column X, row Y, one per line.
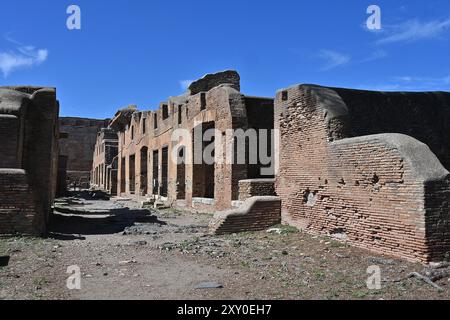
column 211, row 81
column 256, row 187
column 212, row 102
column 373, row 191
column 256, row 214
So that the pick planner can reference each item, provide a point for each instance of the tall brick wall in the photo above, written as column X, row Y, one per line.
column 9, row 136
column 373, row 191
column 421, row 115
column 29, row 158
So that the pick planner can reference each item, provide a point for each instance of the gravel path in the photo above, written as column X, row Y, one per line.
column 124, row 252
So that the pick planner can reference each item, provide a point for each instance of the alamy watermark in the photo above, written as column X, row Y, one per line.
column 229, row 147
column 74, row 280
column 374, row 20
column 73, row 22
column 374, row 280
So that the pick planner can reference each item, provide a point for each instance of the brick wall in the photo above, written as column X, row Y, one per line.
column 256, row 214
column 375, row 191
column 256, row 187
column 421, row 115
column 18, row 210
column 29, row 132
column 9, row 137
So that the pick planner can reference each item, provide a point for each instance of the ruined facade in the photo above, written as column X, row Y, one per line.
column 29, row 158
column 78, row 146
column 104, row 166
column 152, row 162
column 367, row 167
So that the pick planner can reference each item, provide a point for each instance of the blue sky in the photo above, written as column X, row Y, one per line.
column 143, row 51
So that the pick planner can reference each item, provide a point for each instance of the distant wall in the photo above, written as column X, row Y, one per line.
column 79, row 145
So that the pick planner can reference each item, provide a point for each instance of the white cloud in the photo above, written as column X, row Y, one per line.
column 184, row 84
column 428, row 82
column 376, row 55
column 414, row 30
column 333, row 59
column 410, row 83
column 21, row 56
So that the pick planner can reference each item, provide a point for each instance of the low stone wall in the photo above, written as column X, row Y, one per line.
column 256, row 214
column 256, row 187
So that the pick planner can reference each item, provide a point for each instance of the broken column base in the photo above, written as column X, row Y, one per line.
column 256, row 214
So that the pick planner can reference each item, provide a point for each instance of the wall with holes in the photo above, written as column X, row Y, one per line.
column 387, row 191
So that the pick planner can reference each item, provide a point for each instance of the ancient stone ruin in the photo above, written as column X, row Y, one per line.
column 145, row 163
column 29, row 158
column 368, row 168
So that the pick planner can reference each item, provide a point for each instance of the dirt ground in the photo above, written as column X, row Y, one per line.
column 124, row 252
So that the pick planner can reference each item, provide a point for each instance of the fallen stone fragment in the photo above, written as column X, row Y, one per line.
column 275, row 230
column 209, row 285
column 380, row 261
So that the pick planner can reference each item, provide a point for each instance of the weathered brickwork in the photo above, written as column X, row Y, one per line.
column 29, row 158
column 19, row 213
column 386, row 192
column 146, row 162
column 256, row 187
column 256, row 214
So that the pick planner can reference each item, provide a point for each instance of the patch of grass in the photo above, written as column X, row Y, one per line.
column 359, row 294
column 286, row 229
column 40, row 281
column 337, row 244
column 332, row 294
column 319, row 275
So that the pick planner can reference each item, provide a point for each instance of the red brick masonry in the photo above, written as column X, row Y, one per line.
column 257, row 213
column 386, row 192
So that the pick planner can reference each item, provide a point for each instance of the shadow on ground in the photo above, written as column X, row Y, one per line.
column 72, row 223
